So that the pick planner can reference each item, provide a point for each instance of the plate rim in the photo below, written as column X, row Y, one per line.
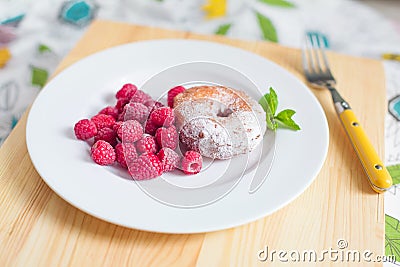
column 228, row 225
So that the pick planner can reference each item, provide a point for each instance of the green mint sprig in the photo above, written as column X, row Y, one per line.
column 283, row 119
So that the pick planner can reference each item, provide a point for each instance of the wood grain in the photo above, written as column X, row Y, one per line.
column 38, row 228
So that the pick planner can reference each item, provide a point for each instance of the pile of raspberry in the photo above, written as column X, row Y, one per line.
column 139, row 134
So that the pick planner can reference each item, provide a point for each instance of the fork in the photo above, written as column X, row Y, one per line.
column 317, row 71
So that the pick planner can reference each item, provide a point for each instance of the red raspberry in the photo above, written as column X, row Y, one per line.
column 121, row 104
column 125, row 153
column 150, row 128
column 102, row 120
column 146, row 144
column 140, row 97
column 135, row 111
column 112, row 111
column 116, row 126
column 107, row 135
column 152, row 105
column 126, row 92
column 146, row 166
column 102, row 153
column 169, row 159
column 167, row 137
column 192, row 162
column 149, row 103
column 85, row 129
column 121, row 116
column 163, row 116
column 130, row 131
column 172, row 93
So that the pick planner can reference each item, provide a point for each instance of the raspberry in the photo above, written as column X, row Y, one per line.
column 172, row 93
column 107, row 135
column 192, row 162
column 112, row 111
column 116, row 126
column 169, row 159
column 125, row 153
column 146, row 166
column 85, row 129
column 126, row 92
column 121, row 116
column 163, row 116
column 152, row 105
column 135, row 111
column 146, row 144
column 149, row 103
column 140, row 97
column 121, row 104
column 102, row 153
column 150, row 128
column 130, row 131
column 167, row 137
column 101, row 121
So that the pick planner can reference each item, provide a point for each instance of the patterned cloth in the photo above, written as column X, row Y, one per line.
column 36, row 35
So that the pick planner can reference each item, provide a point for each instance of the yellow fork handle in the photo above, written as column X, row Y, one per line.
column 379, row 177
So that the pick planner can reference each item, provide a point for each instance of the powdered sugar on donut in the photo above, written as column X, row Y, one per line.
column 219, row 122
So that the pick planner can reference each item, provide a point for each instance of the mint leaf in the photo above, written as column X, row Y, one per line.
column 271, row 123
column 272, row 99
column 270, row 116
column 267, row 28
column 223, row 29
column 280, row 3
column 269, row 101
column 285, row 117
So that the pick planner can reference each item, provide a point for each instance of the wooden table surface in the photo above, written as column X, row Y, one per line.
column 38, row 228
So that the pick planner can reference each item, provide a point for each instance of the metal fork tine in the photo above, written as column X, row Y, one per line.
column 324, row 58
column 309, row 54
column 315, row 47
column 315, row 62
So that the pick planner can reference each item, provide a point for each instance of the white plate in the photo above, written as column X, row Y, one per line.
column 104, row 192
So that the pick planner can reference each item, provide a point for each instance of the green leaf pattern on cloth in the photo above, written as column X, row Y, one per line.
column 394, row 171
column 42, row 48
column 267, row 28
column 39, row 76
column 223, row 29
column 280, row 3
column 392, row 236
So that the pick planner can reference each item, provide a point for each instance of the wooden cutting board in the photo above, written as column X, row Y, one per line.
column 38, row 228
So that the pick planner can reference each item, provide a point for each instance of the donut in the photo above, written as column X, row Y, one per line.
column 218, row 122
